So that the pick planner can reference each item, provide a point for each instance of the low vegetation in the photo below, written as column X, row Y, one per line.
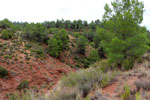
column 23, row 85
column 3, row 72
column 81, row 83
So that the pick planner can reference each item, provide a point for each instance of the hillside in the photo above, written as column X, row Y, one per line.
column 77, row 60
column 41, row 74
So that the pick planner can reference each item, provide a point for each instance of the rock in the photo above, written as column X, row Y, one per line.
column 142, row 84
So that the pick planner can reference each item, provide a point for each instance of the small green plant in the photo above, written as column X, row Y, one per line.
column 13, row 96
column 126, row 94
column 128, row 64
column 23, row 85
column 28, row 46
column 8, row 56
column 6, row 35
column 87, row 98
column 3, row 72
column 137, row 96
column 40, row 52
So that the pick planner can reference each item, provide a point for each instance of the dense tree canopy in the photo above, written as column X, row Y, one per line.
column 35, row 32
column 129, row 39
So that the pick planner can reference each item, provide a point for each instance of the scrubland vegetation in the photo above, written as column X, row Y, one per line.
column 99, row 50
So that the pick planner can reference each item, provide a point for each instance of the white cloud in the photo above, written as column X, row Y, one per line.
column 41, row 10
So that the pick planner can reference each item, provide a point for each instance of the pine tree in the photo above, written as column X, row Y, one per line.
column 129, row 38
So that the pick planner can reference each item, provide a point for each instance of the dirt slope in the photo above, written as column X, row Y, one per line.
column 42, row 74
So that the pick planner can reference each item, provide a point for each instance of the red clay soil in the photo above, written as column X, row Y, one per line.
column 39, row 73
column 114, row 90
column 110, row 89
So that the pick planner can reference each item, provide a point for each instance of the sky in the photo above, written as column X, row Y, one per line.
column 49, row 10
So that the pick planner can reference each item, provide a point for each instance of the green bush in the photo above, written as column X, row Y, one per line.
column 28, row 46
column 3, row 72
column 6, row 24
column 54, row 47
column 128, row 64
column 6, row 35
column 64, row 94
column 23, row 85
column 35, row 32
column 58, row 43
column 85, row 79
column 53, row 30
column 137, row 96
column 102, row 64
column 28, row 95
column 126, row 94
column 76, row 34
column 40, row 52
column 93, row 56
column 81, row 44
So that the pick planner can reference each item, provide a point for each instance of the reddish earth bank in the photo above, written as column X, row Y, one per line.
column 39, row 73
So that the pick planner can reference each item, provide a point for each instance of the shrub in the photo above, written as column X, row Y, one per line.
column 93, row 56
column 76, row 34
column 54, row 47
column 53, row 30
column 5, row 24
column 128, row 64
column 85, row 62
column 85, row 79
column 102, row 64
column 63, row 37
column 126, row 94
column 6, row 35
column 64, row 94
column 13, row 96
column 28, row 95
column 23, row 85
column 89, row 35
column 3, row 72
column 35, row 32
column 81, row 44
column 40, row 52
column 28, row 45
column 137, row 96
column 58, row 43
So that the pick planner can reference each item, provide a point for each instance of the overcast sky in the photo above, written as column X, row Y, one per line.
column 42, row 10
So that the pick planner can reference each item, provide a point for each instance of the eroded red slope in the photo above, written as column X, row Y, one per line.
column 45, row 73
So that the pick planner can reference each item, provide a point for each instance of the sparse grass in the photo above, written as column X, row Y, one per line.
column 23, row 85
column 137, row 96
column 126, row 94
column 86, row 79
column 64, row 94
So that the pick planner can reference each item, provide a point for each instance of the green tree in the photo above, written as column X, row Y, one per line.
column 93, row 56
column 63, row 37
column 81, row 44
column 5, row 24
column 58, row 43
column 54, row 47
column 36, row 32
column 129, row 38
column 89, row 35
column 6, row 35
